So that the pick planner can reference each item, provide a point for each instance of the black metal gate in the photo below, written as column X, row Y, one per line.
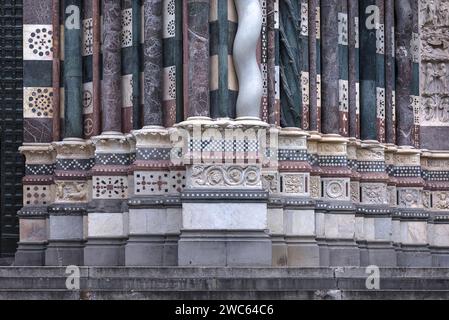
column 11, row 123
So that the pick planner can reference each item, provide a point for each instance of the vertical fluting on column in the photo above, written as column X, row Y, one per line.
column 223, row 84
column 111, row 89
column 274, row 110
column 313, row 58
column 87, row 53
column 291, row 61
column 245, row 60
column 56, row 75
column 73, row 72
column 152, row 113
column 136, row 66
column 414, row 91
column 354, row 68
column 372, row 70
column 96, row 62
column 196, row 55
column 172, row 98
column 329, row 67
column 390, row 82
column 404, row 76
column 343, row 77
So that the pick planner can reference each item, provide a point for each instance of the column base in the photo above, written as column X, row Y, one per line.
column 151, row 251
column 343, row 253
column 64, row 253
column 30, row 254
column 279, row 253
column 104, row 252
column 378, row 254
column 414, row 256
column 225, row 248
column 302, row 252
column 440, row 257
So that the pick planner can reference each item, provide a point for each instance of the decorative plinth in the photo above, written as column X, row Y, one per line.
column 154, row 207
column 107, row 213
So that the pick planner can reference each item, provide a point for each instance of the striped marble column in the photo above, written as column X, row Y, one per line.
column 390, row 70
column 172, row 98
column 152, row 113
column 37, row 66
column 111, row 86
column 223, row 83
column 414, row 90
column 37, row 131
column 330, row 67
column 273, row 84
column 87, row 53
column 354, row 68
column 262, row 55
column 314, row 64
column 404, row 75
column 196, row 53
column 372, row 70
column 293, row 62
column 343, row 80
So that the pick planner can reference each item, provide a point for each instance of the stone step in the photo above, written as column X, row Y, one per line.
column 225, row 295
column 198, row 272
column 217, row 284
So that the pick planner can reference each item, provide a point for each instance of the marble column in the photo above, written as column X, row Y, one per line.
column 354, row 68
column 223, row 86
column 88, row 69
column 152, row 114
column 196, row 54
column 56, row 68
column 292, row 59
column 112, row 80
column 73, row 72
column 96, row 72
column 404, row 76
column 274, row 111
column 172, row 86
column 313, row 9
column 372, row 70
column 329, row 67
column 390, row 71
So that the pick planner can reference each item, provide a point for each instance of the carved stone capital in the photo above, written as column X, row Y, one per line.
column 152, row 137
column 38, row 153
column 332, row 145
column 111, row 142
column 73, row 148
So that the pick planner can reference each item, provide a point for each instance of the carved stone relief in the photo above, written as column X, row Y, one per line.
column 434, row 25
column 295, row 183
column 336, row 189
column 71, row 191
column 217, row 176
column 410, row 198
column 270, row 182
column 374, row 193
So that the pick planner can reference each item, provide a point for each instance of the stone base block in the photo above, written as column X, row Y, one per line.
column 415, row 256
column 440, row 257
column 279, row 254
column 104, row 252
column 64, row 253
column 378, row 255
column 343, row 253
column 225, row 248
column 324, row 253
column 151, row 251
column 30, row 254
column 303, row 254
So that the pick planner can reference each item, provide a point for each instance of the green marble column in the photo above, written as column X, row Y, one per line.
column 73, row 112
